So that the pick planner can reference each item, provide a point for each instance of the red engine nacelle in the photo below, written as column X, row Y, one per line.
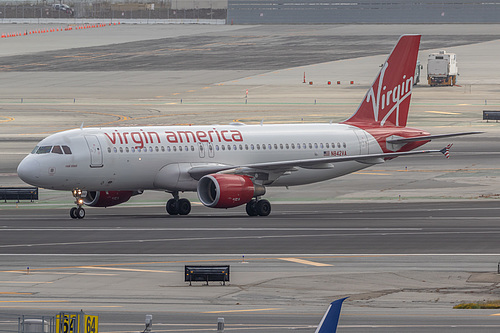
column 226, row 191
column 106, row 198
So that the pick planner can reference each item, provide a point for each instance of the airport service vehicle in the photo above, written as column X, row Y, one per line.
column 442, row 69
column 231, row 165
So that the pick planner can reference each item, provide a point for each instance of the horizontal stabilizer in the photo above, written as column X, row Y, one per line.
column 330, row 320
column 429, row 137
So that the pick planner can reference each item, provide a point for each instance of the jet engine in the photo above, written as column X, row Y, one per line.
column 107, row 198
column 227, row 191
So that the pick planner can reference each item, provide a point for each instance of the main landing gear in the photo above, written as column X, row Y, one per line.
column 260, row 207
column 176, row 206
column 77, row 212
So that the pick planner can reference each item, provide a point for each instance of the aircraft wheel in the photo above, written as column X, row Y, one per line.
column 80, row 213
column 72, row 213
column 184, row 207
column 263, row 207
column 251, row 208
column 171, row 207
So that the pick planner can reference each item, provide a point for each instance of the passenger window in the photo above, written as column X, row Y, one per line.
column 264, row 147
column 121, row 149
column 180, row 148
column 252, row 147
column 234, row 147
column 293, row 146
column 115, row 150
column 246, row 147
column 338, row 144
column 151, row 149
column 132, row 149
column 162, row 149
column 174, row 148
column 157, row 149
column 281, row 146
column 345, row 146
column 304, row 146
column 126, row 149
column 327, row 145
column 186, row 148
column 310, row 146
column 321, row 145
column 169, row 149
column 258, row 147
column 287, row 146
column 316, row 145
column 228, row 147
column 275, row 146
column 57, row 150
column 270, row 147
column 241, row 147
column 66, row 150
column 217, row 147
column 223, row 147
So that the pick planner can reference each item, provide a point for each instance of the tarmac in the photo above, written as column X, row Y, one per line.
column 406, row 240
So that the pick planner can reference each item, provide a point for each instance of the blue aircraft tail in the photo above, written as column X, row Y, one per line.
column 331, row 318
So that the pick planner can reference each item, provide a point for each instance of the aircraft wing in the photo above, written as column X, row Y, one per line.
column 312, row 163
column 428, row 137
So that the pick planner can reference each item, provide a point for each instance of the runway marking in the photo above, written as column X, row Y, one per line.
column 372, row 173
column 7, row 119
column 25, row 282
column 13, row 293
column 35, row 301
column 62, row 273
column 305, row 262
column 442, row 112
column 238, row 311
column 126, row 269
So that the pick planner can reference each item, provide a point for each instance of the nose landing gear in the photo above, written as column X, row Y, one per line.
column 77, row 212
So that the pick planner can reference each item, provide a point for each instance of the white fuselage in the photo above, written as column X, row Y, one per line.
column 157, row 158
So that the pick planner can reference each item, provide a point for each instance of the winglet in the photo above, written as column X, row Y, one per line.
column 331, row 318
column 446, row 150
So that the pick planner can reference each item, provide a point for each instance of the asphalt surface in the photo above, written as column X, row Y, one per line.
column 374, row 228
column 406, row 240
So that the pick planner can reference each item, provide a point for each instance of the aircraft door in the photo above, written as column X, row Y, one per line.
column 211, row 151
column 201, row 150
column 363, row 141
column 95, row 151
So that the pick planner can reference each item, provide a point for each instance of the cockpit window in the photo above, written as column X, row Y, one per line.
column 34, row 150
column 44, row 150
column 66, row 150
column 57, row 150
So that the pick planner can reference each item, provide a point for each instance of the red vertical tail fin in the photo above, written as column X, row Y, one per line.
column 387, row 102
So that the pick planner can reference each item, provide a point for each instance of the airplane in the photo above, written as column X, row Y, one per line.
column 231, row 165
column 330, row 320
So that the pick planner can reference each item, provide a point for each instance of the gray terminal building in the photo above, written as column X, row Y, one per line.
column 364, row 11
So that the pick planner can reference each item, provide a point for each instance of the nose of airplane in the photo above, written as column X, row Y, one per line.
column 29, row 171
